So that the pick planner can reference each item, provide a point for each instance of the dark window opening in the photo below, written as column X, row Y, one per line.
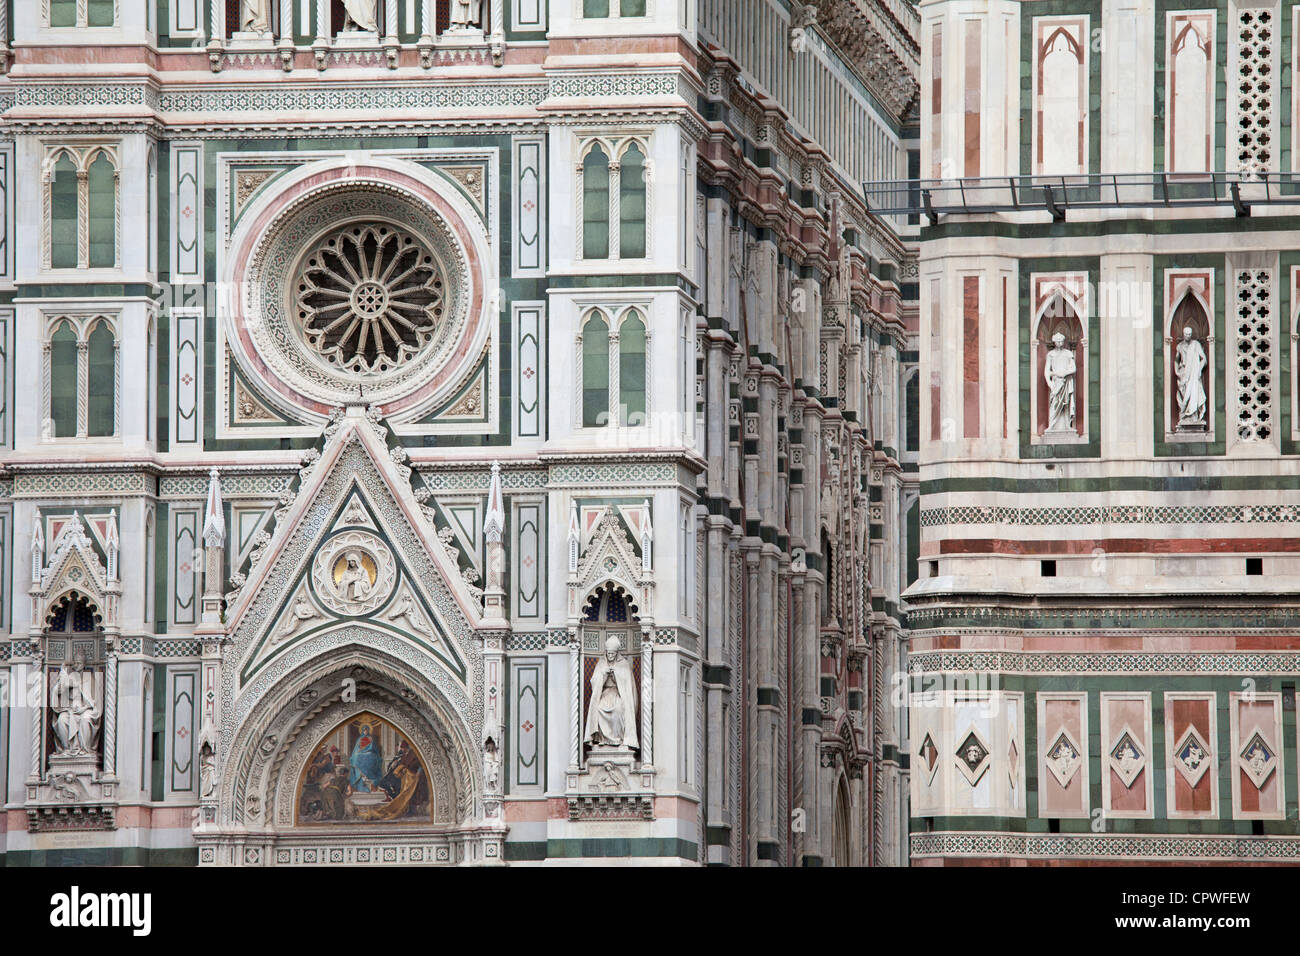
column 1254, row 565
column 1049, row 569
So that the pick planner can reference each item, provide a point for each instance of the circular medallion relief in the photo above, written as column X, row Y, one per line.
column 354, row 573
column 370, row 297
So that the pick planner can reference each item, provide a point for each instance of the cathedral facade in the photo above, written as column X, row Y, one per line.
column 456, row 431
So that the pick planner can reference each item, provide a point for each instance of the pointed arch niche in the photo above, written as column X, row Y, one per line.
column 1060, row 306
column 1189, row 303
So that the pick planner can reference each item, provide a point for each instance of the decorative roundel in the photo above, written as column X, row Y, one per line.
column 370, row 297
column 354, row 573
column 359, row 281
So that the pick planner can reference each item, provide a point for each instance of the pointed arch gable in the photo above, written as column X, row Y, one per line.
column 354, row 457
column 342, row 519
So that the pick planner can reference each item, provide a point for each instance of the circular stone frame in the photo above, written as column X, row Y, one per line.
column 258, row 309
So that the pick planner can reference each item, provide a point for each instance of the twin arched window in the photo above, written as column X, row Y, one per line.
column 612, row 369
column 614, row 200
column 613, row 8
column 81, row 13
column 81, row 202
column 81, row 378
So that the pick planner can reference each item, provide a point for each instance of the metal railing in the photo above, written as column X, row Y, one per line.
column 1059, row 194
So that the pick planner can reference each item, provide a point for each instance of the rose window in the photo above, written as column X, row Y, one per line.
column 370, row 297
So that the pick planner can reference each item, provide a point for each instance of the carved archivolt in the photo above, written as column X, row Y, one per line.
column 270, row 750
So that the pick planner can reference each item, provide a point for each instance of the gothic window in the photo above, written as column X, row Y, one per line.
column 595, row 372
column 81, row 194
column 62, row 413
column 102, row 190
column 82, row 378
column 614, row 186
column 632, row 209
column 613, row 8
column 1061, row 97
column 101, row 380
column 1189, row 138
column 595, row 204
column 81, row 13
column 631, row 375
column 63, row 210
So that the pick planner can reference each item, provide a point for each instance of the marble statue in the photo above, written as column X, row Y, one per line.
column 491, row 765
column 1189, row 364
column 466, row 14
column 255, row 16
column 207, row 771
column 76, row 709
column 360, row 14
column 1059, row 371
column 611, row 718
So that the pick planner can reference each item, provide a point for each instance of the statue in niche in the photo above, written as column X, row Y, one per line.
column 207, row 772
column 611, row 717
column 466, row 14
column 76, row 708
column 360, row 15
column 1189, row 364
column 255, row 16
column 491, row 765
column 1058, row 370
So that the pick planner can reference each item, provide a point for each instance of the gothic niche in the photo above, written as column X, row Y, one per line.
column 74, row 655
column 75, row 792
column 1188, row 379
column 1060, row 367
column 365, row 771
column 611, row 679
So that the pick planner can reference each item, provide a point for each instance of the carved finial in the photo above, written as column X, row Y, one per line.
column 38, row 547
column 494, row 523
column 214, row 522
column 574, row 538
column 111, row 545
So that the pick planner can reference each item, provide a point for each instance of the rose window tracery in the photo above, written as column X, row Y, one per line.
column 370, row 297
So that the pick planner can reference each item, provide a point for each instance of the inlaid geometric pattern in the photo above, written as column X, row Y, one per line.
column 1255, row 91
column 1254, row 371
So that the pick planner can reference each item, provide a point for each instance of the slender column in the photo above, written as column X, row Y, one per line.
column 47, row 384
column 615, row 385
column 615, row 207
column 83, row 388
column 110, row 712
column 117, row 388
column 83, row 219
column 575, row 698
column 647, row 697
column 39, row 715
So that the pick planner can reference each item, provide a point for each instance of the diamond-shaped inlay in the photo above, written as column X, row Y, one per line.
column 1192, row 757
column 972, row 756
column 1126, row 758
column 1013, row 764
column 1063, row 758
column 1258, row 760
column 929, row 755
